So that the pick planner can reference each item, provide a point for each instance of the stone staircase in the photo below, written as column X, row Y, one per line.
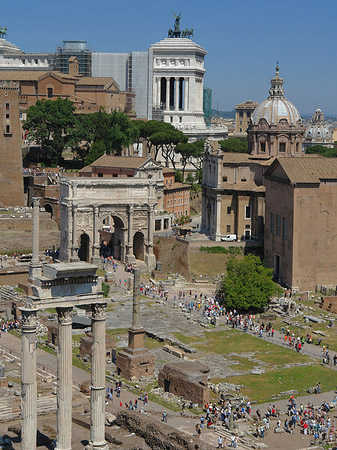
column 8, row 293
column 10, row 407
column 243, row 442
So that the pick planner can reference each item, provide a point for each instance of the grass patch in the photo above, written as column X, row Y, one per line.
column 208, row 264
column 218, row 249
column 243, row 365
column 262, row 387
column 100, row 272
column 51, row 310
column 187, row 339
column 115, row 331
column 233, row 341
column 19, row 290
column 152, row 344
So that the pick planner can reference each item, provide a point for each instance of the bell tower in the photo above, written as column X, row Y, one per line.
column 11, row 179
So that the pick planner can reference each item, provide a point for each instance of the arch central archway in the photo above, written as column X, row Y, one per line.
column 112, row 237
column 138, row 245
column 83, row 252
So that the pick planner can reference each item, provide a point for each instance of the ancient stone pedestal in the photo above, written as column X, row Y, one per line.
column 135, row 361
column 64, row 379
column 28, row 379
column 97, row 388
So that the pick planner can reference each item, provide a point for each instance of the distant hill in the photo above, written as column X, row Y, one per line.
column 224, row 114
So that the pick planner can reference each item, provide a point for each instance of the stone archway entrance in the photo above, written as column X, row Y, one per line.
column 138, row 245
column 110, row 215
column 83, row 252
column 111, row 237
column 49, row 210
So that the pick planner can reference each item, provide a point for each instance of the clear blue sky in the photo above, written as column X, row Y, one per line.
column 244, row 39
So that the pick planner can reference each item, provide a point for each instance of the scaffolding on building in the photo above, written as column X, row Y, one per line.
column 207, row 105
column 73, row 48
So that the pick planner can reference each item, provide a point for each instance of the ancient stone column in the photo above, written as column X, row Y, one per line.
column 74, row 246
column 35, row 266
column 185, row 94
column 97, row 388
column 28, row 379
column 150, row 225
column 167, row 106
column 136, row 304
column 64, row 379
column 96, row 247
column 129, row 248
column 176, row 94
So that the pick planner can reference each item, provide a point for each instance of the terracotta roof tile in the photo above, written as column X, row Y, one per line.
column 129, row 162
column 308, row 169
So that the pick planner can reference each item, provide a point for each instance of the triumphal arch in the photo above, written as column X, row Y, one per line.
column 112, row 214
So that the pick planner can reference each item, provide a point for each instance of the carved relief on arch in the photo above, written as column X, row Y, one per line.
column 84, row 222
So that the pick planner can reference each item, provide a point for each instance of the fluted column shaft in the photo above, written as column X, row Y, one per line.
column 185, row 94
column 28, row 379
column 176, row 94
column 74, row 247
column 35, row 266
column 64, row 379
column 167, row 93
column 150, row 225
column 97, row 390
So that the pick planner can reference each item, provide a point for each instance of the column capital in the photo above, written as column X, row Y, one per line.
column 98, row 311
column 96, row 209
column 29, row 318
column 131, row 208
column 36, row 201
column 64, row 315
column 74, row 207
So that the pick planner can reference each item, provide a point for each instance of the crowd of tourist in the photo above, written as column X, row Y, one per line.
column 7, row 325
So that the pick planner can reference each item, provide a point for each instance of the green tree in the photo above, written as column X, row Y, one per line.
column 234, row 145
column 190, row 152
column 178, row 176
column 322, row 150
column 96, row 151
column 115, row 130
column 51, row 123
column 247, row 285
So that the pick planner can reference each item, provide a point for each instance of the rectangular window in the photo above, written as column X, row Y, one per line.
column 229, row 210
column 282, row 147
column 278, row 225
column 240, row 114
column 247, row 212
column 100, row 175
column 262, row 147
column 228, row 228
column 50, row 92
column 272, row 223
column 285, row 231
column 8, row 129
column 7, row 106
column 7, row 116
column 297, row 147
column 224, row 179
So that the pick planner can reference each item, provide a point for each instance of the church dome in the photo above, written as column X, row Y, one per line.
column 318, row 131
column 276, row 107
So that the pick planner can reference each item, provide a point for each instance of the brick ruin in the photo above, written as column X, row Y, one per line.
column 187, row 379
